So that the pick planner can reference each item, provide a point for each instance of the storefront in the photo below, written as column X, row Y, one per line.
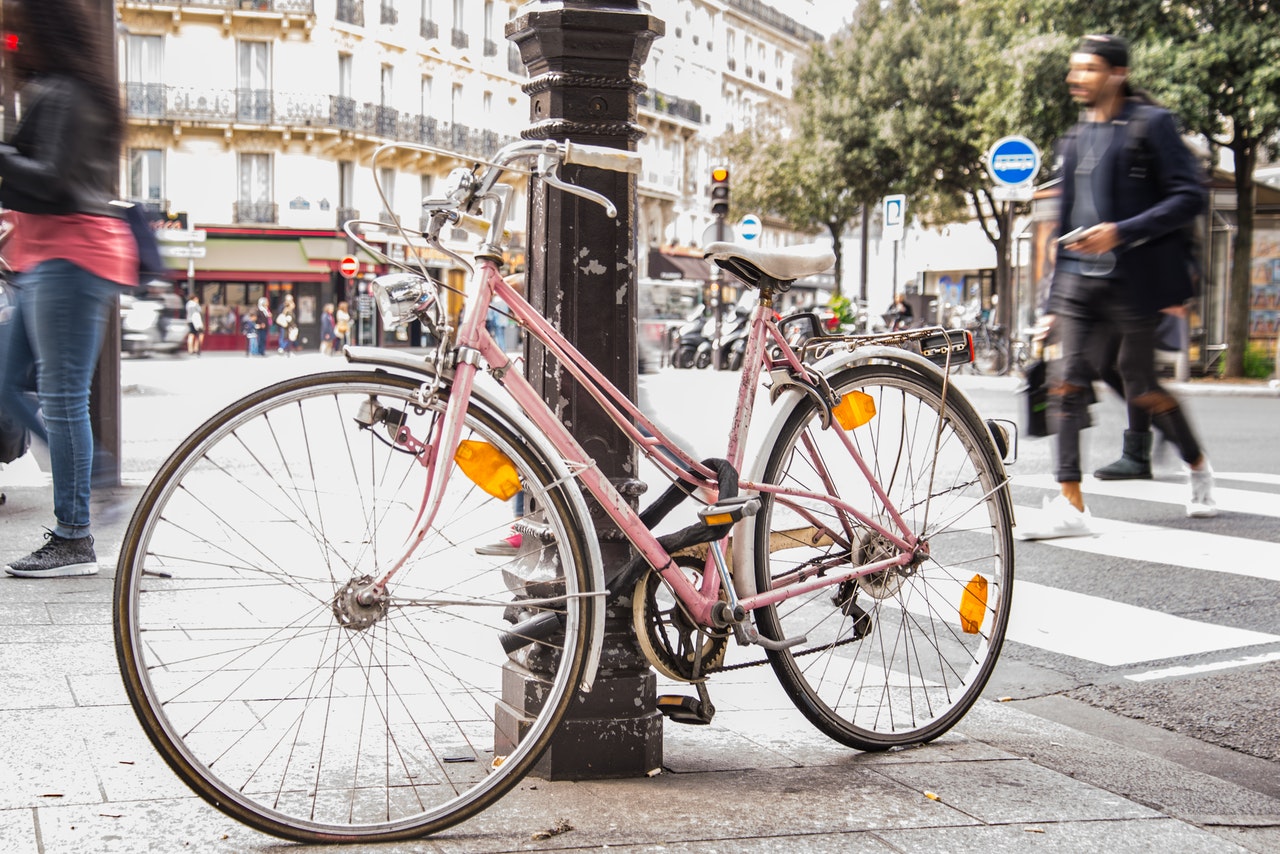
column 241, row 266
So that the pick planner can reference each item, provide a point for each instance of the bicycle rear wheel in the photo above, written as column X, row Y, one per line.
column 273, row 688
column 898, row 656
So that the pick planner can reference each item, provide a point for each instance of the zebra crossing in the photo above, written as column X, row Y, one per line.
column 1118, row 634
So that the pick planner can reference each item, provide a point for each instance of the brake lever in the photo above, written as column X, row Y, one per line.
column 554, row 180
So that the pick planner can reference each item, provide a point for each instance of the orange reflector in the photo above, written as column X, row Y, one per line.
column 854, row 409
column 488, row 468
column 973, row 605
column 718, row 519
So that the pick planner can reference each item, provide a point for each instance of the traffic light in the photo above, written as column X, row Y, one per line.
column 720, row 190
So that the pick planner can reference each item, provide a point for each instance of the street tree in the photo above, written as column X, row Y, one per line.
column 798, row 179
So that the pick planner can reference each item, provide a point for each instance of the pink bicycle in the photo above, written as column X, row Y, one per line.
column 313, row 644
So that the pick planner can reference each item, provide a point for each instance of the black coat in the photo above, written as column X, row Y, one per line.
column 57, row 162
column 1157, row 191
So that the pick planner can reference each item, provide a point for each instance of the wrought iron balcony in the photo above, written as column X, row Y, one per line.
column 514, row 63
column 351, row 12
column 389, row 14
column 681, row 108
column 286, row 7
column 459, row 38
column 490, row 47
column 429, row 29
column 156, row 102
column 255, row 212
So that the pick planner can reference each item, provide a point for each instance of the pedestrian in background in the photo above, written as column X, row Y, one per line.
column 72, row 248
column 261, row 327
column 287, row 326
column 341, row 326
column 1121, row 261
column 327, row 333
column 195, row 326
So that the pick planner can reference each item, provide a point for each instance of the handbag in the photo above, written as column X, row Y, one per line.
column 1035, row 399
column 150, row 263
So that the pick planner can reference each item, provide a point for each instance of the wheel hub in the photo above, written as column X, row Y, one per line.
column 874, row 547
column 357, row 605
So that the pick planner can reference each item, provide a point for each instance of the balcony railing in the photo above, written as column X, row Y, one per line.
column 429, row 29
column 681, row 108
column 514, row 63
column 269, row 108
column 490, row 47
column 389, row 15
column 257, row 212
column 287, row 7
column 459, row 38
column 351, row 12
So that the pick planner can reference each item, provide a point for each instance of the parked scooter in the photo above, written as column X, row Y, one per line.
column 732, row 343
column 687, row 339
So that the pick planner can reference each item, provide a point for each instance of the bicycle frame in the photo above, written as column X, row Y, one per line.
column 475, row 346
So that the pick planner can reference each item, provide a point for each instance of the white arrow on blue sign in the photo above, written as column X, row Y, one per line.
column 749, row 228
column 1013, row 160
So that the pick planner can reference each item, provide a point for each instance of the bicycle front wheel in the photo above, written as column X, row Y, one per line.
column 896, row 656
column 285, row 688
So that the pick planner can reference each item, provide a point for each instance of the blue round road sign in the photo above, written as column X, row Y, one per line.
column 749, row 227
column 1013, row 160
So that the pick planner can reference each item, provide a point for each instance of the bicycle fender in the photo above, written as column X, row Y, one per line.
column 785, row 402
column 415, row 366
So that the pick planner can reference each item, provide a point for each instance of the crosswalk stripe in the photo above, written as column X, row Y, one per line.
column 1113, row 633
column 1165, row 492
column 1208, row 667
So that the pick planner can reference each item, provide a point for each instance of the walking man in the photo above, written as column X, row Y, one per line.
column 1122, row 259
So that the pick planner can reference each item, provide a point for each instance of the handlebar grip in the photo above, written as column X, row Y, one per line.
column 479, row 226
column 600, row 157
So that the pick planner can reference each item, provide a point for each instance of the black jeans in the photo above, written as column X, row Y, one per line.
column 1090, row 315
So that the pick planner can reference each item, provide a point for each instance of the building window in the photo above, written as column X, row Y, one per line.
column 146, row 177
column 255, row 199
column 387, row 181
column 144, row 69
column 253, row 81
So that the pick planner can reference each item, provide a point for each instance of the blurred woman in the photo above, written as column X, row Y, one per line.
column 71, row 246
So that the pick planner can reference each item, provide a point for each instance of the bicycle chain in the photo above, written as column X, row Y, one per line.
column 742, row 666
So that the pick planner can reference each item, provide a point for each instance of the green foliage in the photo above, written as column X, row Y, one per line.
column 844, row 309
column 1258, row 363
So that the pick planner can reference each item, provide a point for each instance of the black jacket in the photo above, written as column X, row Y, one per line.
column 57, row 162
column 1156, row 192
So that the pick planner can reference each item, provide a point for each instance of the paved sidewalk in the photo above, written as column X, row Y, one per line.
column 78, row 774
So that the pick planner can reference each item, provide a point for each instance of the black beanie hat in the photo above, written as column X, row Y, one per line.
column 1113, row 49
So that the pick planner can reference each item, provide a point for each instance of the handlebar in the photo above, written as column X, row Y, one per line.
column 600, row 157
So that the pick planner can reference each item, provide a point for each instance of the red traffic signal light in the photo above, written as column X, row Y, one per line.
column 720, row 190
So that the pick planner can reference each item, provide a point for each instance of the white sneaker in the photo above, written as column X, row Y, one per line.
column 1202, row 505
column 1057, row 518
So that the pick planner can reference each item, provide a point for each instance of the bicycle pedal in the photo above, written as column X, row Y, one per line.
column 729, row 510
column 686, row 710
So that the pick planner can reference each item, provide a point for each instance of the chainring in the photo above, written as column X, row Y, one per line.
column 673, row 643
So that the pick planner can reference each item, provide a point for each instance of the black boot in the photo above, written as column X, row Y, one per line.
column 1134, row 462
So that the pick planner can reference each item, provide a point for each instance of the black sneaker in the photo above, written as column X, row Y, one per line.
column 58, row 557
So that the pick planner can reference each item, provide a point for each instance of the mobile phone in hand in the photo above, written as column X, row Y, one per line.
column 1071, row 236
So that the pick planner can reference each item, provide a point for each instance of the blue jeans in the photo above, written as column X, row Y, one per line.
column 58, row 327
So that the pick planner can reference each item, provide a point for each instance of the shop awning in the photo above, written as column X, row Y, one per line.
column 668, row 267
column 240, row 260
column 333, row 249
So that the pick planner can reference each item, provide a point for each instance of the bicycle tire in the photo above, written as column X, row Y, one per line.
column 912, row 672
column 262, row 682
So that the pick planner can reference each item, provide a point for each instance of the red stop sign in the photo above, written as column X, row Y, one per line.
column 349, row 266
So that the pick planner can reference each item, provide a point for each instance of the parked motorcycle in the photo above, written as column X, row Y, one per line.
column 152, row 321
column 687, row 338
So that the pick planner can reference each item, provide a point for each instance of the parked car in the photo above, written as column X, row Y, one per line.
column 152, row 321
